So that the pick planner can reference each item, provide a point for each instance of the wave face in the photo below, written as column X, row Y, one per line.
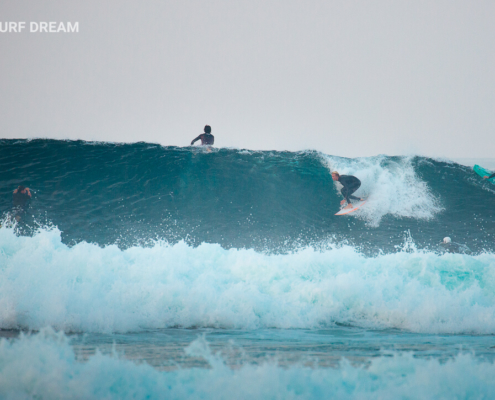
column 44, row 282
column 54, row 373
column 133, row 194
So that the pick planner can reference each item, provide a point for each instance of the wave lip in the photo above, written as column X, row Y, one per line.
column 92, row 289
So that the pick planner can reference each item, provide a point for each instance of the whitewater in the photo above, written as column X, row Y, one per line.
column 143, row 271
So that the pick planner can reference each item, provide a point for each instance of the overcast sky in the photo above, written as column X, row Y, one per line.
column 349, row 78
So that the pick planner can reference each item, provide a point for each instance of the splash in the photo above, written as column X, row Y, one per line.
column 93, row 289
column 392, row 187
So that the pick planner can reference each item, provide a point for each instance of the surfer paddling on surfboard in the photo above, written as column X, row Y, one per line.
column 484, row 173
column 350, row 185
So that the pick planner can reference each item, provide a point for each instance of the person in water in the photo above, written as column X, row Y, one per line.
column 350, row 185
column 489, row 177
column 20, row 201
column 448, row 246
column 207, row 139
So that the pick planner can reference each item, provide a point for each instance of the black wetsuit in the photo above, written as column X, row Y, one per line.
column 20, row 200
column 491, row 176
column 351, row 184
column 206, row 139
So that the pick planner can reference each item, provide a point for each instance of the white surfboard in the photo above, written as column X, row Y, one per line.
column 355, row 206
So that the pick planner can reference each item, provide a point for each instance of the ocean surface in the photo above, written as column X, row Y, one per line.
column 140, row 271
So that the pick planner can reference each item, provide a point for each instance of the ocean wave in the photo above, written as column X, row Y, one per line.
column 130, row 194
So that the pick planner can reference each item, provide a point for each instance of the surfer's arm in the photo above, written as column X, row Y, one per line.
column 195, row 140
column 489, row 177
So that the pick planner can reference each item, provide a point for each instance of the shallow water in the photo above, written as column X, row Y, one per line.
column 164, row 349
column 342, row 362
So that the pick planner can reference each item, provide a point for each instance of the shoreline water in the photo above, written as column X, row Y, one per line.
column 255, row 364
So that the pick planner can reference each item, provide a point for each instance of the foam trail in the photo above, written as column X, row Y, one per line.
column 44, row 366
column 93, row 289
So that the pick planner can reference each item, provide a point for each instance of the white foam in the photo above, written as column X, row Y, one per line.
column 44, row 366
column 93, row 289
column 392, row 186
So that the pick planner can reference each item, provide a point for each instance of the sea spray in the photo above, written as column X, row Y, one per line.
column 93, row 289
column 391, row 186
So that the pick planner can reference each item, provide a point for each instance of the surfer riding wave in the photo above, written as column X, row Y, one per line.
column 350, row 184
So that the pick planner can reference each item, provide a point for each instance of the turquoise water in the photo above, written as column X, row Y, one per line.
column 140, row 271
column 168, row 349
column 338, row 363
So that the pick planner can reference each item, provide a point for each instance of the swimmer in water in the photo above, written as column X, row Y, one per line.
column 20, row 201
column 448, row 246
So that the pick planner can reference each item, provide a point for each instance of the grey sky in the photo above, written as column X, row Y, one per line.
column 350, row 78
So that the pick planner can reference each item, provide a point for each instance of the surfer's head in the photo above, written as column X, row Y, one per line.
column 335, row 176
column 21, row 188
column 207, row 129
column 446, row 240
